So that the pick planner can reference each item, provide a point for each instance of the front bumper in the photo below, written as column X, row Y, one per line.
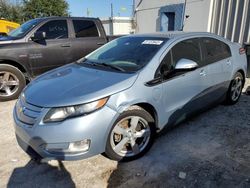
column 42, row 138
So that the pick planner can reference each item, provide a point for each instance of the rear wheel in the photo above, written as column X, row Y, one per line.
column 12, row 82
column 131, row 136
column 235, row 89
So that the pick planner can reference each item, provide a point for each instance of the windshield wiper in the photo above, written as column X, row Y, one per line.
column 112, row 66
column 92, row 63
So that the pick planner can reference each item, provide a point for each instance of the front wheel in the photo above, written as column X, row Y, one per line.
column 235, row 89
column 12, row 82
column 131, row 136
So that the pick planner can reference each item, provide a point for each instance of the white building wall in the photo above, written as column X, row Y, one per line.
column 118, row 25
column 147, row 14
column 228, row 18
column 198, row 12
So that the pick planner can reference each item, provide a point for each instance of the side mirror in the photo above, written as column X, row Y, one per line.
column 186, row 64
column 38, row 36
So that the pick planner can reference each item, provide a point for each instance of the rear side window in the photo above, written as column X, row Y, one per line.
column 85, row 28
column 56, row 29
column 215, row 50
column 187, row 49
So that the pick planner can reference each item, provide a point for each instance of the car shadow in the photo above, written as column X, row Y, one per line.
column 38, row 172
column 41, row 175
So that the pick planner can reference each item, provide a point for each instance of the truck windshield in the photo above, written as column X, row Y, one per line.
column 129, row 54
column 24, row 28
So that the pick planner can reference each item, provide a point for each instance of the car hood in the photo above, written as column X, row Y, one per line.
column 6, row 40
column 75, row 84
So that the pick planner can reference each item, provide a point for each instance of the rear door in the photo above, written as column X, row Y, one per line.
column 86, row 37
column 218, row 60
column 52, row 52
column 182, row 91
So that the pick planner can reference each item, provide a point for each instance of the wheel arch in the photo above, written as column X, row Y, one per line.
column 17, row 65
column 243, row 74
column 150, row 109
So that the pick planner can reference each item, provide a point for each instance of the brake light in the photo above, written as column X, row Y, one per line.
column 242, row 51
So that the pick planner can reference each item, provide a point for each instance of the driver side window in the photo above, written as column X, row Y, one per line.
column 56, row 29
column 187, row 49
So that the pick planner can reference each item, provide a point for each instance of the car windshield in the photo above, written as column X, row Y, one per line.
column 24, row 28
column 127, row 54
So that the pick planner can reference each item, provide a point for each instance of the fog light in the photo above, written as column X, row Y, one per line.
column 68, row 148
column 79, row 146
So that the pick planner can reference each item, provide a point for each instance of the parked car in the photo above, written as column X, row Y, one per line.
column 116, row 99
column 43, row 44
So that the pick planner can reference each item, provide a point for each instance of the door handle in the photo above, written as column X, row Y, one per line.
column 229, row 62
column 65, row 45
column 203, row 73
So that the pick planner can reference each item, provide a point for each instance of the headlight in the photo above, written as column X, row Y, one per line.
column 60, row 114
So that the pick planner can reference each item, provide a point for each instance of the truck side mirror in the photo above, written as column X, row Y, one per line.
column 38, row 36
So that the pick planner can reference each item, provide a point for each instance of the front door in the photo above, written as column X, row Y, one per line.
column 52, row 52
column 182, row 91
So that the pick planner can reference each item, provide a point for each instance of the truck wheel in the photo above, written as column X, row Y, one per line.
column 131, row 136
column 12, row 82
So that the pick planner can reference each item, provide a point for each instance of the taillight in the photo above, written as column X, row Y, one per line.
column 242, row 51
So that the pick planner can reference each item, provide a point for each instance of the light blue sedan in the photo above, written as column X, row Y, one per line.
column 116, row 99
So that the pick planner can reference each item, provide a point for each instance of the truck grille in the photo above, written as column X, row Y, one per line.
column 27, row 113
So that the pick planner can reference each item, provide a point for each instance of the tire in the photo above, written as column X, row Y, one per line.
column 12, row 82
column 126, row 141
column 235, row 89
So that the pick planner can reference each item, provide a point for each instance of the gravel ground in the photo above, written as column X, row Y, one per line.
column 210, row 150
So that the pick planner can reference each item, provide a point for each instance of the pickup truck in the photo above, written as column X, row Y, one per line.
column 43, row 44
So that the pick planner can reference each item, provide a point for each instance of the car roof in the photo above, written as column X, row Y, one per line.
column 66, row 17
column 175, row 34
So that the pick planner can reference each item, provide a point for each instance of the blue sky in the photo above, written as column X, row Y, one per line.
column 100, row 8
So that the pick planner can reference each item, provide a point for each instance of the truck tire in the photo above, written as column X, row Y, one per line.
column 12, row 82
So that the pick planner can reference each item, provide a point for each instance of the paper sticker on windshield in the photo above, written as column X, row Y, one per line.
column 152, row 42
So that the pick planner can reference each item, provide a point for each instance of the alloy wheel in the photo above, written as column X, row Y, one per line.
column 130, row 136
column 9, row 84
column 236, row 88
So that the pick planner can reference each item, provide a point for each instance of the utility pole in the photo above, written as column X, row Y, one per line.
column 88, row 12
column 133, row 8
column 111, row 19
column 184, row 15
column 112, row 10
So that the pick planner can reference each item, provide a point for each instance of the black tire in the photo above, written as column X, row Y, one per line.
column 15, row 74
column 230, row 99
column 133, row 111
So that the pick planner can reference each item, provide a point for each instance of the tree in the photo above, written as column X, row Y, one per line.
column 10, row 12
column 42, row 8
